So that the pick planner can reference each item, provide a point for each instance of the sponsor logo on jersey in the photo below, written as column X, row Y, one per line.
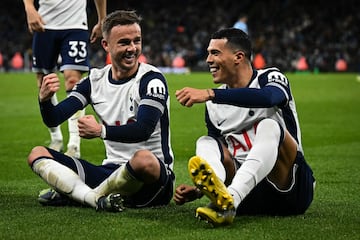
column 278, row 77
column 156, row 88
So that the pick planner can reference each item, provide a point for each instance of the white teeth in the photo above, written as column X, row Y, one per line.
column 213, row 69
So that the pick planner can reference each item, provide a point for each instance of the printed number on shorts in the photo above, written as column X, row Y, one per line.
column 77, row 48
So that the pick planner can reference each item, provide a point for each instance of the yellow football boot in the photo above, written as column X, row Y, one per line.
column 209, row 184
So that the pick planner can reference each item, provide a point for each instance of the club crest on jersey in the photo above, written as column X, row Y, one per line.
column 156, row 88
column 278, row 77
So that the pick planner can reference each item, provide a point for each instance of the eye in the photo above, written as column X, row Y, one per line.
column 124, row 42
column 215, row 52
column 137, row 41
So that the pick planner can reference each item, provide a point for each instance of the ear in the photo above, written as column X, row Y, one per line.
column 239, row 56
column 105, row 45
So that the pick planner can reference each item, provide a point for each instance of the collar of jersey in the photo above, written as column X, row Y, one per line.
column 122, row 81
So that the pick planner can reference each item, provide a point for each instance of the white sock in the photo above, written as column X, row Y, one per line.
column 120, row 181
column 74, row 138
column 208, row 149
column 259, row 162
column 55, row 132
column 64, row 180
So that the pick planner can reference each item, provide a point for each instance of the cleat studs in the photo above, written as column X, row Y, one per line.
column 211, row 181
column 194, row 172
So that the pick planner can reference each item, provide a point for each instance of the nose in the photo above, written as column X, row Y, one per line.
column 209, row 58
column 131, row 46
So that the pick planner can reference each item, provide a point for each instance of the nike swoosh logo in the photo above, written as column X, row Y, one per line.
column 96, row 103
column 221, row 122
column 77, row 60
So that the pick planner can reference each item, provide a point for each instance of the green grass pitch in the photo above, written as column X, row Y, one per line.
column 329, row 110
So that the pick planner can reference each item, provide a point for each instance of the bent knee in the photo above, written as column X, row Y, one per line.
column 271, row 128
column 143, row 153
column 36, row 152
column 269, row 123
column 144, row 160
column 205, row 140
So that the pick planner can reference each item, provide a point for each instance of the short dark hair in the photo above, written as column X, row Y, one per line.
column 119, row 17
column 236, row 39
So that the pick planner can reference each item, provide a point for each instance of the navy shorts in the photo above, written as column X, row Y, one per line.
column 71, row 45
column 155, row 194
column 266, row 199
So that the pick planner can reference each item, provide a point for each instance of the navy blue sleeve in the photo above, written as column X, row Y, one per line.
column 138, row 131
column 268, row 96
column 54, row 115
column 153, row 93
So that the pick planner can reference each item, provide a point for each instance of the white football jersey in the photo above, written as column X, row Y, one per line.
column 63, row 14
column 238, row 124
column 116, row 103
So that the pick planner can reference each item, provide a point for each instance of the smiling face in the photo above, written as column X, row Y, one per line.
column 124, row 46
column 221, row 60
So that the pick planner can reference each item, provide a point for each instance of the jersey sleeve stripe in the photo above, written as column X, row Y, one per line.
column 80, row 97
column 152, row 103
column 281, row 88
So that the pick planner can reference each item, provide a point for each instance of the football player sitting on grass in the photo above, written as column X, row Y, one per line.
column 131, row 102
column 251, row 161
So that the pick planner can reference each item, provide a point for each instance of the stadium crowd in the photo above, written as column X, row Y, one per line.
column 283, row 31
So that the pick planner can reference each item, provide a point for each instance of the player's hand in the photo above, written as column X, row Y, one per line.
column 96, row 33
column 188, row 96
column 34, row 20
column 89, row 127
column 186, row 193
column 49, row 86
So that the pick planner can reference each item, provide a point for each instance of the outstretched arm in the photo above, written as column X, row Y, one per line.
column 188, row 96
column 243, row 97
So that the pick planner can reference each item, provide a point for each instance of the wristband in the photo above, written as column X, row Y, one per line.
column 211, row 96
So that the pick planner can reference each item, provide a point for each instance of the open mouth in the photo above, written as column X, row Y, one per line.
column 129, row 57
column 214, row 69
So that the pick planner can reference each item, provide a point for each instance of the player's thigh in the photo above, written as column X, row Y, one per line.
column 45, row 51
column 266, row 198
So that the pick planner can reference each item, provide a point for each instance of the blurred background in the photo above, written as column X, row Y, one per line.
column 313, row 36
